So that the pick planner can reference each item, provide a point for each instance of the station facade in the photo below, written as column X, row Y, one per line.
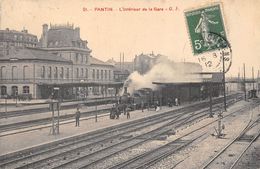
column 60, row 60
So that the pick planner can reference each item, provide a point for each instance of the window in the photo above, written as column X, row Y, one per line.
column 14, row 73
column 26, row 89
column 93, row 74
column 86, row 57
column 68, row 73
column 3, row 72
column 3, row 90
column 49, row 73
column 105, row 74
column 77, row 57
column 86, row 73
column 102, row 74
column 56, row 73
column 109, row 74
column 82, row 72
column 14, row 91
column 77, row 73
column 82, row 58
column 25, row 72
column 43, row 72
column 97, row 74
column 61, row 72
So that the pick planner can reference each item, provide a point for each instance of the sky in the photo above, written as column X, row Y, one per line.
column 134, row 32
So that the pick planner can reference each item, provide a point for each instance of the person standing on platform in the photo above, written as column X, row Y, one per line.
column 176, row 102
column 128, row 112
column 142, row 106
column 77, row 116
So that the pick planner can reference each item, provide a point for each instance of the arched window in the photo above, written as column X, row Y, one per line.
column 86, row 73
column 77, row 73
column 97, row 74
column 61, row 72
column 49, row 72
column 26, row 89
column 86, row 57
column 14, row 91
column 3, row 72
column 3, row 90
column 25, row 72
column 102, row 74
column 77, row 57
column 56, row 73
column 68, row 73
column 105, row 74
column 94, row 74
column 82, row 72
column 43, row 72
column 14, row 73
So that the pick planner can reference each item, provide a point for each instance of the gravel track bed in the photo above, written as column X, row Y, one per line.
column 194, row 151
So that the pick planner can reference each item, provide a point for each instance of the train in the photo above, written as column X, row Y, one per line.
column 163, row 95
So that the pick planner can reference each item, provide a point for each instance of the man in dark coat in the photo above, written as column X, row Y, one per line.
column 77, row 116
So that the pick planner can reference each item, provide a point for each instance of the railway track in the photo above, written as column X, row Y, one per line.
column 44, row 107
column 59, row 151
column 95, row 137
column 148, row 159
column 230, row 155
column 44, row 121
column 91, row 160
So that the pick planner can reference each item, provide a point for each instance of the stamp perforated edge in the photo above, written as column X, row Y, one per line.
column 223, row 21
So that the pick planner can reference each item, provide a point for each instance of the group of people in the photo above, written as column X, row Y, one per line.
column 126, row 109
column 116, row 110
column 172, row 102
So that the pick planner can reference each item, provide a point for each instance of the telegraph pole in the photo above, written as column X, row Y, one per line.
column 224, row 84
column 244, row 67
column 253, row 78
column 210, row 100
column 258, row 81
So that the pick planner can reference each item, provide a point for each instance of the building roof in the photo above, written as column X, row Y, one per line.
column 34, row 54
column 24, row 32
column 95, row 61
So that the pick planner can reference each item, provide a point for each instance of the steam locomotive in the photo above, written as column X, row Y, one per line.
column 144, row 97
column 149, row 98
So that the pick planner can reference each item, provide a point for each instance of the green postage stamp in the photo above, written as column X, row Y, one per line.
column 206, row 29
column 208, row 38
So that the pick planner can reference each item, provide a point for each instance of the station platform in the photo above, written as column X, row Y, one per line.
column 48, row 114
column 41, row 135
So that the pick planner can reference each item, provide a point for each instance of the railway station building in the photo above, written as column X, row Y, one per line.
column 60, row 63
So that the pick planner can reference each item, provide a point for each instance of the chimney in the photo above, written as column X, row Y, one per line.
column 44, row 36
column 120, row 62
column 123, row 61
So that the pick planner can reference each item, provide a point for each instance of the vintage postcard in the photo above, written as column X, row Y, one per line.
column 112, row 84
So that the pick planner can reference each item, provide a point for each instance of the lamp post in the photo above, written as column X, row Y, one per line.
column 16, row 95
column 210, row 100
column 5, row 105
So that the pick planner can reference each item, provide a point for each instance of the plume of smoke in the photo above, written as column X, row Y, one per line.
column 164, row 72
